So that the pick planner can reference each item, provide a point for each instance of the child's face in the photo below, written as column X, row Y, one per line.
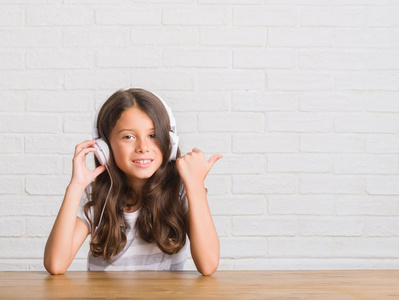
column 134, row 146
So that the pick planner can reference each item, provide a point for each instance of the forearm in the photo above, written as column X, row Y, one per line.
column 204, row 241
column 58, row 249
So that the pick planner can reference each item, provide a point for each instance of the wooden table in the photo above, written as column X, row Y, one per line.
column 360, row 284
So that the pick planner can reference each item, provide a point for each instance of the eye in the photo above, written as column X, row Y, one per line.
column 128, row 137
column 152, row 136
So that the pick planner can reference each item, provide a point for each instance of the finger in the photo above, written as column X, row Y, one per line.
column 97, row 171
column 196, row 150
column 84, row 145
column 214, row 159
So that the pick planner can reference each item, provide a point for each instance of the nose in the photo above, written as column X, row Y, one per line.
column 142, row 145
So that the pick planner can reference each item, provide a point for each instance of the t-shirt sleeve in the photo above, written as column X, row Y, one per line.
column 81, row 214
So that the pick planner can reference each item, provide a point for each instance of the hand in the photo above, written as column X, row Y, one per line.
column 193, row 167
column 81, row 175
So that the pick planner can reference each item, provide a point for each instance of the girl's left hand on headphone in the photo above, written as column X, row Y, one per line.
column 193, row 167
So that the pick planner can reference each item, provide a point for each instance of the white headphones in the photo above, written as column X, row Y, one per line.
column 102, row 152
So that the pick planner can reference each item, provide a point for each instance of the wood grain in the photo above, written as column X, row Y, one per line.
column 348, row 284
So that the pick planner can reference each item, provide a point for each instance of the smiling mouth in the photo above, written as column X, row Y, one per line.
column 142, row 162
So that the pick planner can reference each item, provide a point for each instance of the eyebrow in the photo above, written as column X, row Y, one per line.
column 151, row 129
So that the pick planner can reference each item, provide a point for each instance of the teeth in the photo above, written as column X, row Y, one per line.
column 143, row 161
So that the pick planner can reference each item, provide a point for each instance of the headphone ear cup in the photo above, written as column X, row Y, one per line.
column 102, row 152
column 174, row 144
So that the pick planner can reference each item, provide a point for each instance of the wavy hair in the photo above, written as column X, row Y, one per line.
column 160, row 219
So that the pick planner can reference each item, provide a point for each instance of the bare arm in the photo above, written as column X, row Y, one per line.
column 69, row 232
column 204, row 241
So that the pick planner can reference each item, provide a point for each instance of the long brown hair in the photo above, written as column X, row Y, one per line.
column 160, row 219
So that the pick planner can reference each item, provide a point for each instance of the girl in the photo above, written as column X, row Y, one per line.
column 139, row 212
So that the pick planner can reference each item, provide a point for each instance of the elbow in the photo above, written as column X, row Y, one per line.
column 54, row 269
column 209, row 268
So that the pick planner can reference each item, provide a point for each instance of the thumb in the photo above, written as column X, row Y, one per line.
column 97, row 171
column 214, row 159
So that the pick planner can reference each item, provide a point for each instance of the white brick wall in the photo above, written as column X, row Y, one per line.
column 301, row 97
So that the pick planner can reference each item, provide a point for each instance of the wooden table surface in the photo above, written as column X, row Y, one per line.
column 357, row 284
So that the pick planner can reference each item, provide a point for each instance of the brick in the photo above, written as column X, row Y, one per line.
column 59, row 59
column 291, row 163
column 128, row 15
column 12, row 101
column 383, row 60
column 81, row 123
column 365, row 164
column 330, row 184
column 17, row 247
column 242, row 2
column 299, row 122
column 255, row 226
column 333, row 16
column 206, row 142
column 163, row 80
column 300, row 205
column 265, row 184
column 341, row 226
column 181, row 101
column 361, row 37
column 196, row 15
column 53, row 144
column 59, row 101
column 359, row 205
column 367, row 81
column 366, row 2
column 12, row 227
column 12, row 60
column 239, row 164
column 30, row 79
column 203, row 58
column 28, row 205
column 11, row 185
column 382, row 185
column 236, row 205
column 366, row 123
column 300, row 2
column 127, row 57
column 300, row 247
column 331, row 60
column 334, row 102
column 39, row 227
column 261, row 101
column 30, row 37
column 270, row 143
column 382, row 144
column 29, row 164
column 59, row 15
column 46, row 185
column 220, row 122
column 11, row 144
column 300, row 37
column 331, row 143
column 161, row 35
column 234, row 36
column 222, row 226
column 186, row 122
column 96, row 37
column 22, row 123
column 218, row 184
column 299, row 82
column 383, row 17
column 382, row 102
column 231, row 80
column 96, row 79
column 242, row 247
column 382, row 227
column 264, row 59
column 265, row 16
column 11, row 16
column 366, row 247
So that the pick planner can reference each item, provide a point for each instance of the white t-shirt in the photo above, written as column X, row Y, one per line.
column 137, row 254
